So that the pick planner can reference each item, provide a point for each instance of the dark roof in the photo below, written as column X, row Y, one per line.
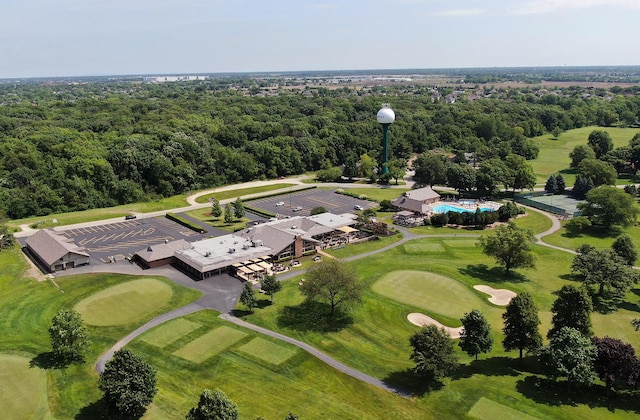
column 51, row 246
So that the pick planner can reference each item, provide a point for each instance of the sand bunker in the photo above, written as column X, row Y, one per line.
column 500, row 297
column 423, row 320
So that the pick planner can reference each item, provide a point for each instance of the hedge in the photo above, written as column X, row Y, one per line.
column 186, row 223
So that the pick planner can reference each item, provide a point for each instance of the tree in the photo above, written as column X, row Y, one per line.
column 579, row 153
column 216, row 210
column 213, row 406
column 552, row 185
column 248, row 297
column 430, row 169
column 604, row 269
column 228, row 213
column 292, row 416
column 367, row 165
column 334, row 282
column 128, row 383
column 6, row 238
column 350, row 169
column 570, row 354
column 270, row 285
column 521, row 325
column 462, row 177
column 433, row 353
column 238, row 208
column 571, row 309
column 317, row 210
column 520, row 174
column 600, row 172
column 560, row 182
column 600, row 142
column 555, row 132
column 69, row 335
column 577, row 224
column 491, row 173
column 615, row 363
column 609, row 206
column 397, row 169
column 329, row 175
column 581, row 187
column 625, row 248
column 385, row 205
column 475, row 337
column 510, row 245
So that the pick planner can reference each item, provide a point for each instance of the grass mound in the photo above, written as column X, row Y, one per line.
column 430, row 291
column 210, row 344
column 124, row 303
column 268, row 351
column 169, row 332
column 24, row 390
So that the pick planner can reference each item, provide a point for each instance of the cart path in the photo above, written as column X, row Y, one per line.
column 317, row 353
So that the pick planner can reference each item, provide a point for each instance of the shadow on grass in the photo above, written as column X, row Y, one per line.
column 260, row 304
column 492, row 366
column 412, row 384
column 491, row 275
column 313, row 316
column 50, row 360
column 554, row 393
column 95, row 410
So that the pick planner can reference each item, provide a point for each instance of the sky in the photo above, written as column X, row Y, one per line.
column 47, row 38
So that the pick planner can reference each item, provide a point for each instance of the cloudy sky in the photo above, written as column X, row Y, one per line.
column 105, row 37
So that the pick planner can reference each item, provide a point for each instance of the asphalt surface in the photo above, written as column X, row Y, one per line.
column 300, row 203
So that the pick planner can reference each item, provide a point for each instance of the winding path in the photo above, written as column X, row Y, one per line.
column 203, row 303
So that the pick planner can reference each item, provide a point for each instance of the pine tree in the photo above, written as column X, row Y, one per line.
column 228, row 214
column 562, row 185
column 552, row 185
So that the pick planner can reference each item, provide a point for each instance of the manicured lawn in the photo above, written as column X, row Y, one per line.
column 265, row 378
column 268, row 351
column 241, row 192
column 598, row 239
column 26, row 310
column 554, row 154
column 170, row 331
column 133, row 300
column 534, row 220
column 24, row 390
column 102, row 214
column 218, row 222
column 209, row 344
column 487, row 409
column 378, row 194
column 362, row 247
column 376, row 341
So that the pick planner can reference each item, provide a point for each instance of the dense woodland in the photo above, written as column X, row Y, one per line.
column 74, row 146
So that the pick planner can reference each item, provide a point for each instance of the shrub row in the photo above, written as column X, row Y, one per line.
column 259, row 212
column 184, row 222
column 354, row 195
column 275, row 194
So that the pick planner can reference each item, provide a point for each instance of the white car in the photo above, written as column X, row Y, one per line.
column 280, row 203
column 357, row 207
column 297, row 208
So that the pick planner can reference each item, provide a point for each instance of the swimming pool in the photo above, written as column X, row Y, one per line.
column 444, row 208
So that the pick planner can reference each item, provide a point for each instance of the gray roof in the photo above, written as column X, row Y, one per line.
column 162, row 250
column 422, row 194
column 51, row 246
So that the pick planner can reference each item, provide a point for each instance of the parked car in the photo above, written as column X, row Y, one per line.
column 280, row 203
column 297, row 208
column 129, row 217
column 295, row 263
column 317, row 258
column 357, row 207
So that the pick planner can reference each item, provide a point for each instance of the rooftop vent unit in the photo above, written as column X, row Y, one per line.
column 245, row 246
column 149, row 249
column 257, row 243
column 207, row 254
column 294, row 227
column 232, row 250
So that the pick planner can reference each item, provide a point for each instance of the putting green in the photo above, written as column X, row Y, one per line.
column 460, row 243
column 23, row 390
column 422, row 248
column 268, row 351
column 488, row 409
column 169, row 332
column 433, row 292
column 124, row 303
column 210, row 344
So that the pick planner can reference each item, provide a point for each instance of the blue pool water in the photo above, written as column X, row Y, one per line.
column 444, row 208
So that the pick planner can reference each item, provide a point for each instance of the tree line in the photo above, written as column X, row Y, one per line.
column 90, row 145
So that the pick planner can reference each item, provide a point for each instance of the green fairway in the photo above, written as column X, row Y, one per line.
column 23, row 391
column 413, row 248
column 432, row 292
column 241, row 192
column 460, row 243
column 268, row 351
column 169, row 332
column 554, row 154
column 209, row 344
column 485, row 409
column 124, row 303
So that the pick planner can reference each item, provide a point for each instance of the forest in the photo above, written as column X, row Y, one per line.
column 74, row 146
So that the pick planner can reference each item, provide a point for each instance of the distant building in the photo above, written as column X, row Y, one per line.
column 417, row 201
column 54, row 251
column 161, row 254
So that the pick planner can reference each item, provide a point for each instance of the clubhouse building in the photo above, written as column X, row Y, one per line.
column 251, row 252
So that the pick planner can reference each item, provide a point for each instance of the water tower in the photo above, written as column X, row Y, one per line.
column 386, row 117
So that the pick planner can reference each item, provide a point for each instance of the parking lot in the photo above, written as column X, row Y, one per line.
column 118, row 240
column 300, row 203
